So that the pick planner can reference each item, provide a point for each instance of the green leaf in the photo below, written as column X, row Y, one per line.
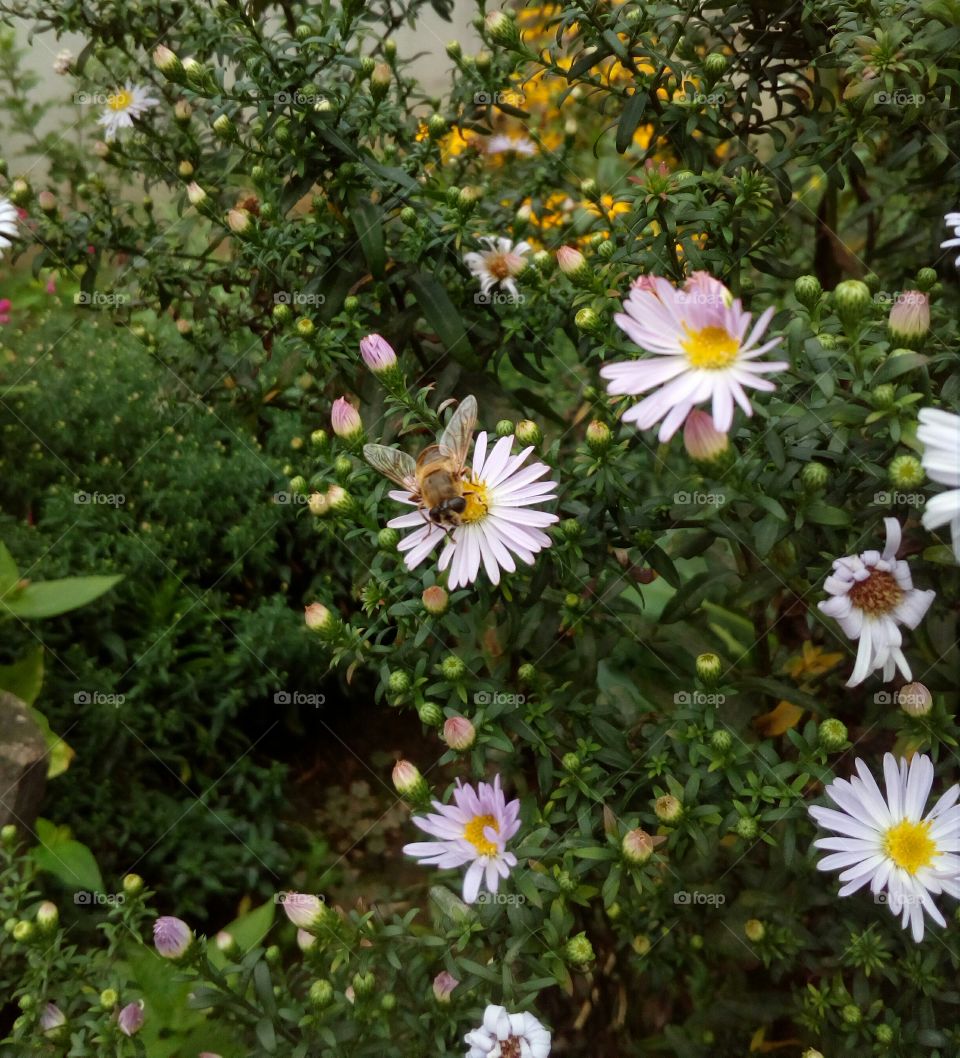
column 629, row 120
column 443, row 318
column 24, row 678
column 822, row 514
column 369, row 228
column 59, row 754
column 895, row 366
column 9, row 574
column 53, row 597
column 248, row 930
column 66, row 859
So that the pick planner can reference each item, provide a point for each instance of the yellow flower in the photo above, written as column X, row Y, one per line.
column 813, row 661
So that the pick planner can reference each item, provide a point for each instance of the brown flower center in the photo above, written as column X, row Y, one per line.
column 510, row 1047
column 877, row 595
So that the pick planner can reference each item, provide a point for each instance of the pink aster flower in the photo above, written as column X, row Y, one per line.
column 872, row 594
column 473, row 830
column 703, row 347
column 377, row 353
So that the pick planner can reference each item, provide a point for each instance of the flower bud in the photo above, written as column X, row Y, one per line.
column 132, row 884
column 52, row 1020
column 454, row 49
column 167, row 62
column 502, row 29
column 338, row 499
column 703, row 441
column 430, row 714
column 715, row 64
column 807, row 290
column 459, row 733
column 906, row 472
column 130, row 1019
column 527, row 673
column 637, row 846
column 321, row 993
column 915, row 699
column 387, row 539
column 305, row 326
column 172, row 937
column 317, row 504
column 579, row 951
column 571, row 762
column 573, row 265
column 196, row 72
column 377, row 354
column 668, row 809
column 721, row 740
column 238, row 221
column 23, row 931
column 851, row 1014
column 599, row 437
column 345, row 420
column 832, row 734
column 224, row 127
column 504, row 428
column 814, row 476
column 364, row 985
column 408, row 782
column 754, row 930
column 589, row 322
column 852, row 299
column 909, row 319
column 812, row 1052
column 398, row 682
column 319, row 619
column 182, row 112
column 8, row 835
column 926, row 278
column 380, row 80
column 298, row 485
column 304, row 910
column 436, row 126
column 226, row 942
column 452, row 668
column 47, row 201
column 747, row 828
column 443, row 985
column 709, row 669
column 435, row 600
column 528, row 432
column 544, row 262
column 195, row 194
column 282, row 312
column 305, row 940
column 408, row 216
column 48, row 916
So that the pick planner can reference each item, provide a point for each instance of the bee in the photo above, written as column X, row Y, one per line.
column 437, row 479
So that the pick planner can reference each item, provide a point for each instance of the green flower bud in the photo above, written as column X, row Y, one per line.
column 606, row 249
column 504, row 428
column 364, row 985
column 528, row 432
column 321, row 993
column 224, row 127
column 715, row 65
column 579, row 951
column 571, row 529
column 747, row 828
column 380, row 80
column 502, row 29
column 852, row 300
column 298, row 485
column 48, row 916
column 319, row 438
column 342, row 467
column 721, row 740
column 851, row 1015
column 437, row 126
column 754, row 930
column 483, row 60
column 668, row 809
column 832, row 734
column 883, row 396
column 408, row 216
column 571, row 601
column 132, row 884
column 23, row 931
column 305, row 327
column 430, row 714
column 828, row 341
column 387, row 539
column 544, row 262
column 807, row 290
column 388, row 1002
column 599, row 437
column 814, row 476
column 571, row 762
column 637, row 846
column 589, row 187
column 398, row 682
column 709, row 669
column 351, row 304
column 915, row 699
column 884, row 1033
column 109, row 998
column 926, row 279
column 527, row 673
column 272, row 955
column 453, row 49
column 8, row 835
column 452, row 668
column 906, row 472
column 589, row 322
column 366, row 66
column 282, row 313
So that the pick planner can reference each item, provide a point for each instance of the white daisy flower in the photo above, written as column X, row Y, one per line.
column 873, row 593
column 704, row 350
column 473, row 830
column 890, row 843
column 939, row 433
column 504, row 1035
column 9, row 223
column 123, row 106
column 502, row 143
column 499, row 263
column 482, row 513
column 952, row 220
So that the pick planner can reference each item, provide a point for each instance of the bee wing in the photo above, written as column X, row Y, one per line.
column 393, row 464
column 455, row 439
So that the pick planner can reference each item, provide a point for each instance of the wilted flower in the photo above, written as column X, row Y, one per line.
column 498, row 264
column 909, row 318
column 473, row 830
column 889, row 843
column 124, row 105
column 345, row 419
column 873, row 593
column 171, row 937
column 377, row 353
column 130, row 1018
column 704, row 350
column 304, row 910
column 504, row 1035
column 939, row 433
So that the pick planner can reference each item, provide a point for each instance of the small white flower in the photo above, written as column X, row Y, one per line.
column 63, row 62
column 123, row 106
column 873, row 593
column 504, row 1035
column 939, row 433
column 499, row 263
column 952, row 220
column 890, row 843
column 9, row 223
column 501, row 143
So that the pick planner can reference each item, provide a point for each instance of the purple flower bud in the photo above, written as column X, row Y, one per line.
column 171, row 936
column 52, row 1018
column 443, row 985
column 130, row 1019
column 303, row 909
column 345, row 419
column 377, row 353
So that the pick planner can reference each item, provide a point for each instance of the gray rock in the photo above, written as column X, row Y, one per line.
column 23, row 767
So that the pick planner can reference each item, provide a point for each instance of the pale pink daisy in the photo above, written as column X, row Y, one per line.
column 499, row 263
column 704, row 350
column 873, row 594
column 939, row 433
column 887, row 841
column 504, row 1035
column 473, row 830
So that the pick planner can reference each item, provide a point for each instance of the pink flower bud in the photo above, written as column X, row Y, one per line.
column 303, row 909
column 171, row 937
column 52, row 1018
column 317, row 617
column 435, row 600
column 305, row 940
column 345, row 419
column 572, row 262
column 443, row 985
column 130, row 1019
column 702, row 440
column 459, row 733
column 377, row 353
column 909, row 318
column 407, row 780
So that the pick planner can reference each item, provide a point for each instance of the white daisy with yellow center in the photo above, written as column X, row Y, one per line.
column 473, row 830
column 124, row 105
column 498, row 264
column 703, row 347
column 907, row 857
column 872, row 594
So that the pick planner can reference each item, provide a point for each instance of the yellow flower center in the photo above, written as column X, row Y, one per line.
column 910, row 846
column 878, row 594
column 477, row 496
column 503, row 265
column 711, row 348
column 120, row 99
column 473, row 832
